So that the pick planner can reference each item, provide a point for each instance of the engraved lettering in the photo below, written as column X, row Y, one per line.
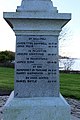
column 34, row 73
column 21, row 61
column 29, row 45
column 43, row 78
column 20, row 72
column 36, row 65
column 20, row 45
column 41, row 69
column 27, row 77
column 30, row 61
column 39, row 66
column 33, row 77
column 20, row 42
column 21, row 81
column 22, row 53
column 23, row 69
column 38, row 58
column 31, row 81
column 38, row 50
column 50, row 81
column 40, row 43
column 36, row 53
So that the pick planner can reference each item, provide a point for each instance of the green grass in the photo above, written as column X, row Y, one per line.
column 6, row 79
column 69, row 83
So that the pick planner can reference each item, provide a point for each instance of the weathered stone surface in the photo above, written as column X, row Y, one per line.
column 75, row 105
column 36, row 5
column 37, row 108
column 36, row 67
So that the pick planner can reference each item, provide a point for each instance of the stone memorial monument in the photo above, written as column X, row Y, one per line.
column 36, row 95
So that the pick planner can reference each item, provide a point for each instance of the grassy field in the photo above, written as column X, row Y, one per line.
column 6, row 79
column 69, row 83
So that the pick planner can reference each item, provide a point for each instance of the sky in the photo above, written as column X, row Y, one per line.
column 71, row 47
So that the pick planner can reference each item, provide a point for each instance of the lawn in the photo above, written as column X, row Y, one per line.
column 69, row 83
column 6, row 79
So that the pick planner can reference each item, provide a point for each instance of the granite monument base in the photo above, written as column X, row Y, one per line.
column 38, row 108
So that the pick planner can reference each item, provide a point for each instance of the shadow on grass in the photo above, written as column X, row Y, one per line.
column 5, row 92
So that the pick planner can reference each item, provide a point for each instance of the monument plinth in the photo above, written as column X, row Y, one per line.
column 37, row 25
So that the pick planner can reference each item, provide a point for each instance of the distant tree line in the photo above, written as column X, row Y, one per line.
column 6, row 58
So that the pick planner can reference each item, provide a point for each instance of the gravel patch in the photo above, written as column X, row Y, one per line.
column 3, row 100
column 75, row 107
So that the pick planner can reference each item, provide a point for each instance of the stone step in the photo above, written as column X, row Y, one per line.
column 74, row 118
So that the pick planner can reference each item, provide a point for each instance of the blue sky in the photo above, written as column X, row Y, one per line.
column 71, row 47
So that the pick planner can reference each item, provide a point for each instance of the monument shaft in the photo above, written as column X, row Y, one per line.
column 37, row 25
column 36, row 71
